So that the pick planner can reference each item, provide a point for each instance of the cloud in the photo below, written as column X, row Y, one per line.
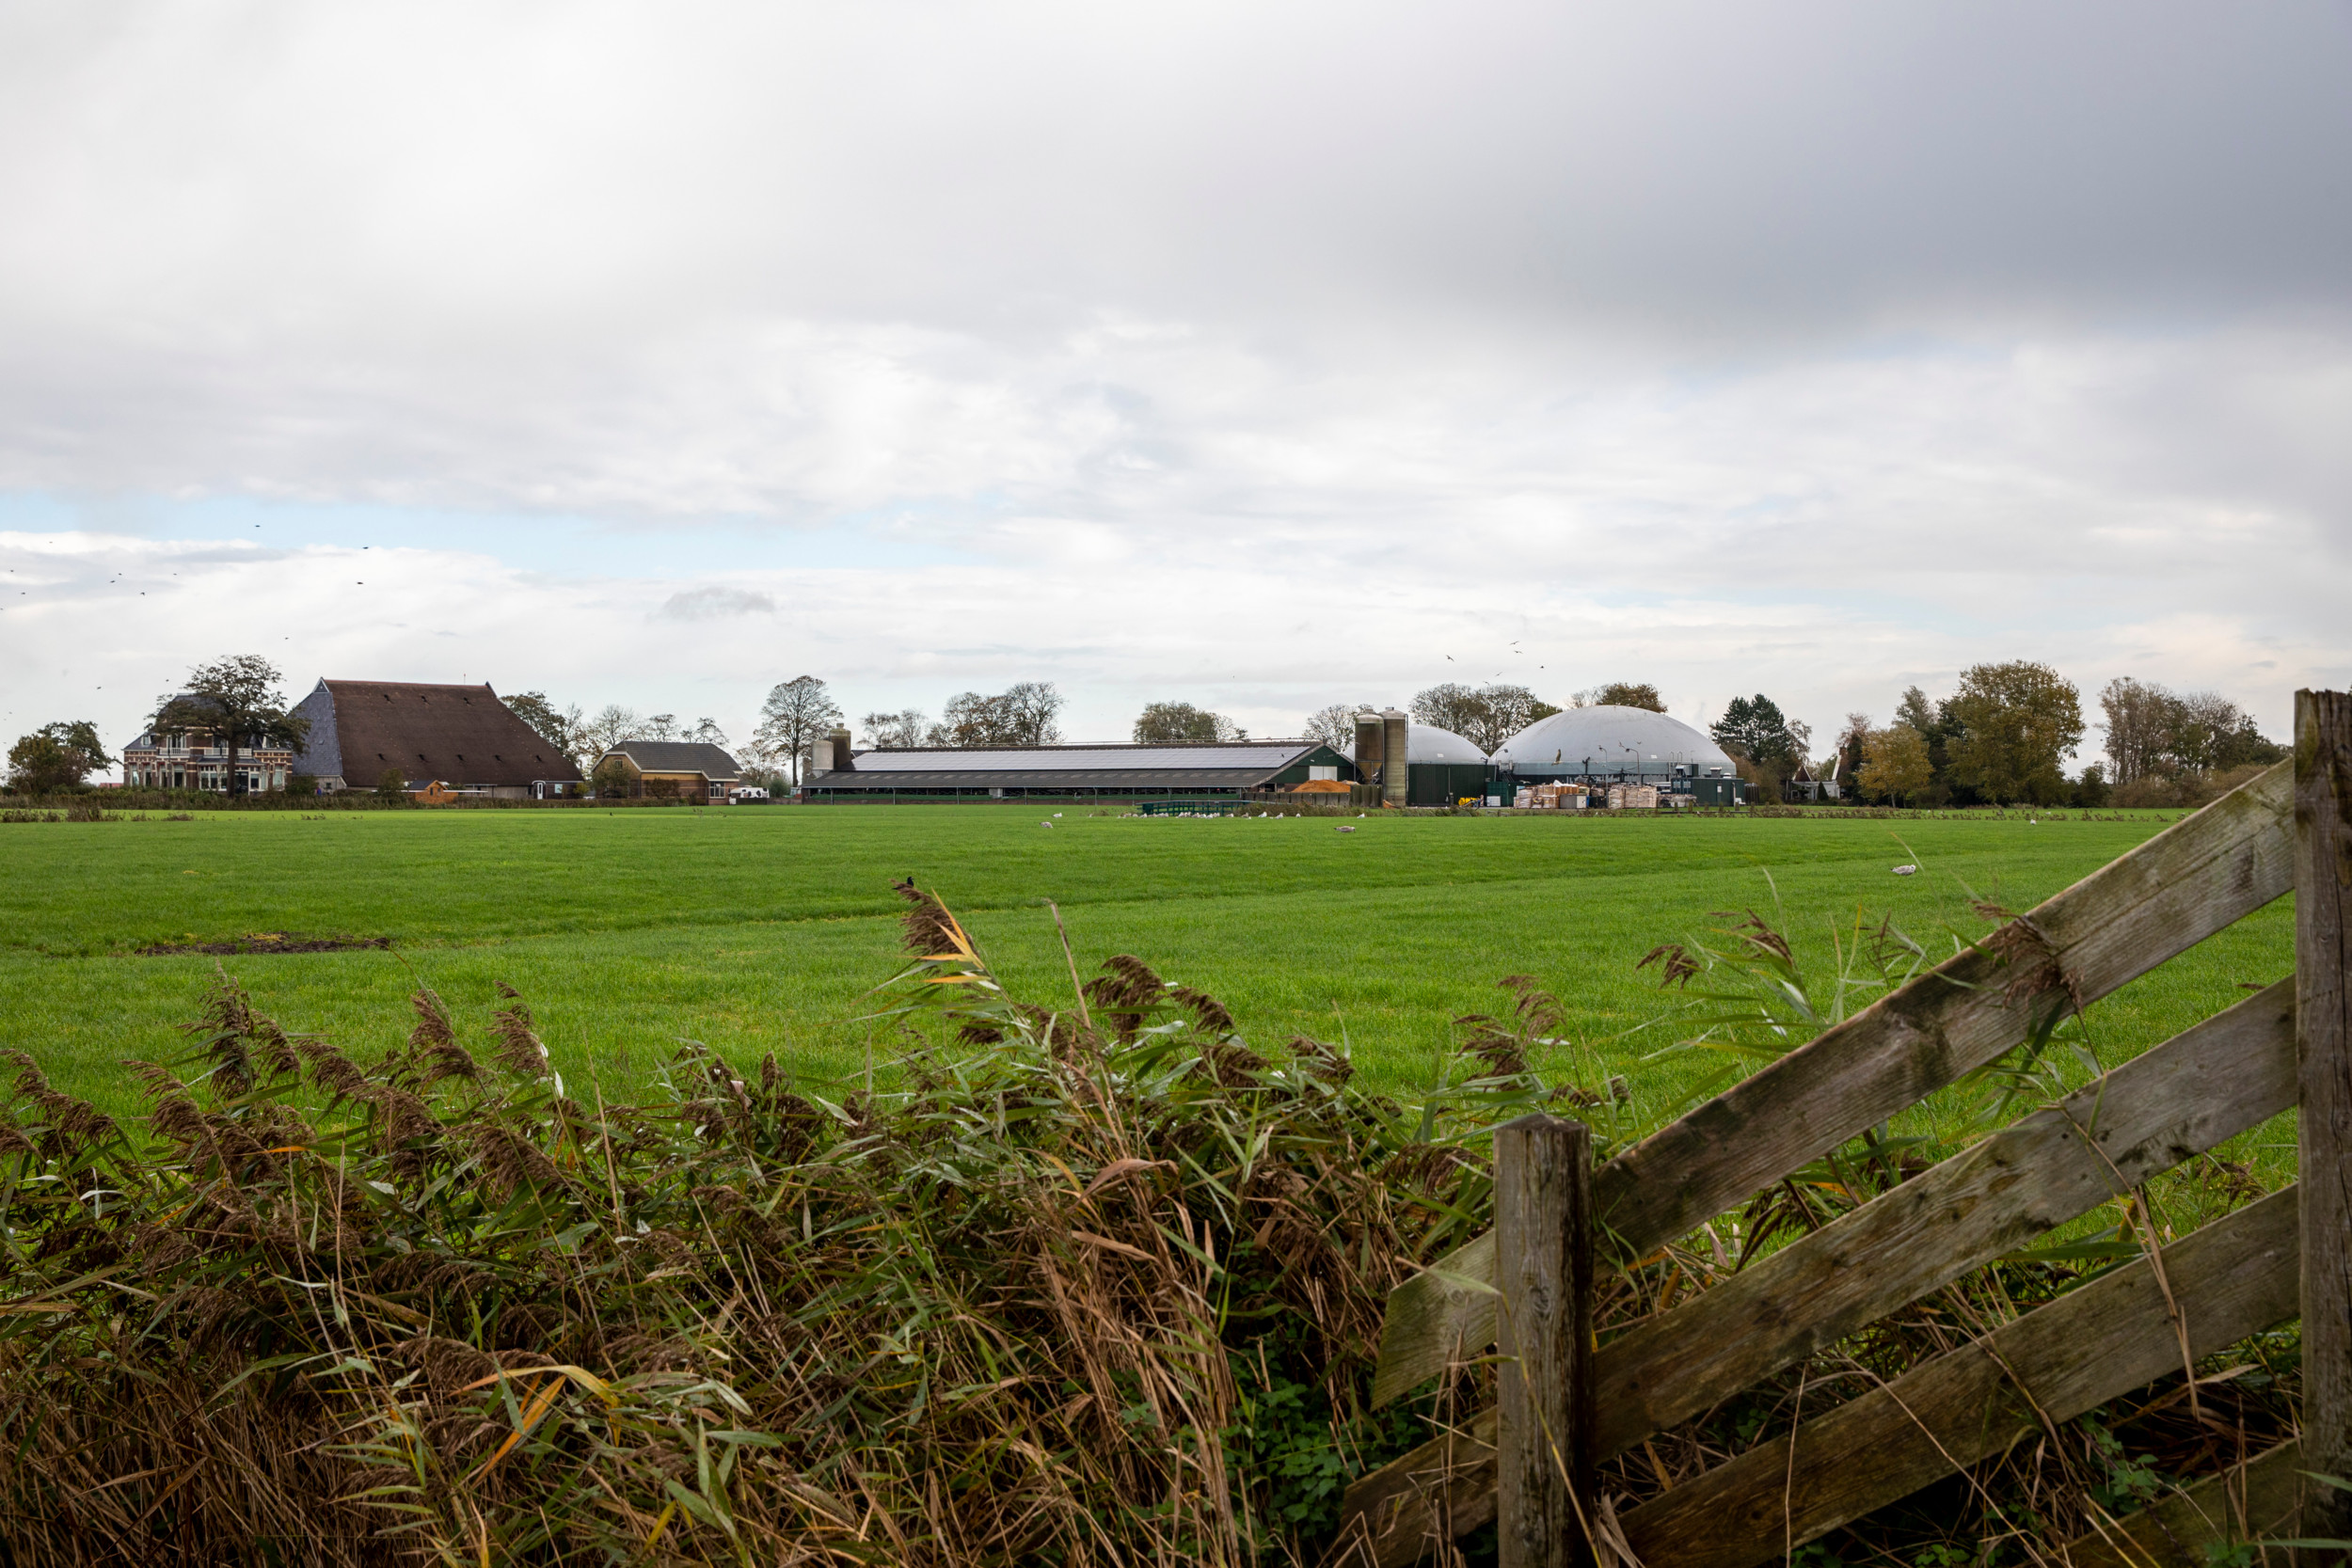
column 713, row 604
column 1256, row 359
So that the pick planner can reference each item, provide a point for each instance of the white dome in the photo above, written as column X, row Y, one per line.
column 1428, row 743
column 1608, row 741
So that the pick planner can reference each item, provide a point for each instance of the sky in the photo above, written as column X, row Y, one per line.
column 1258, row 357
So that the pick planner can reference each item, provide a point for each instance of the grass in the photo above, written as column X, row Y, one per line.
column 1058, row 1293
column 755, row 930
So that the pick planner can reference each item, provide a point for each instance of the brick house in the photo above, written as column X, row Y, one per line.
column 684, row 770
column 198, row 759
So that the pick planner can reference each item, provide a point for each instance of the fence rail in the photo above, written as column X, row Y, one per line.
column 1527, row 1462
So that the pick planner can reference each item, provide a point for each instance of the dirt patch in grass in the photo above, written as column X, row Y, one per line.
column 264, row 942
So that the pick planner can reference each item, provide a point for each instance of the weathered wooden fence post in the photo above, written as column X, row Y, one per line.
column 1543, row 1267
column 2323, row 1043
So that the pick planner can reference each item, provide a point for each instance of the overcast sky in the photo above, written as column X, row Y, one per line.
column 1259, row 356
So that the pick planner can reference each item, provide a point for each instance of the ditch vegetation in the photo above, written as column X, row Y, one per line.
column 1089, row 1283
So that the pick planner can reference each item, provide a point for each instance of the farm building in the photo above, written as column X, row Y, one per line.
column 1440, row 767
column 460, row 736
column 198, row 759
column 1221, row 767
column 668, row 769
column 1607, row 745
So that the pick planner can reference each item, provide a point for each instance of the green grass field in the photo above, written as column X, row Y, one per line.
column 758, row 931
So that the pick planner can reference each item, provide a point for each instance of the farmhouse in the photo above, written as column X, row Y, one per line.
column 1440, row 767
column 198, row 759
column 1014, row 772
column 680, row 770
column 460, row 736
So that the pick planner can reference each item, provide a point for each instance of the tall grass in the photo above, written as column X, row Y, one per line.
column 1089, row 1282
column 1095, row 1284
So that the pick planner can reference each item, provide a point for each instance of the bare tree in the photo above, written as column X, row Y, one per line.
column 796, row 713
column 1484, row 716
column 1022, row 715
column 901, row 730
column 611, row 725
column 1033, row 708
column 661, row 726
column 1334, row 726
column 707, row 732
column 2139, row 727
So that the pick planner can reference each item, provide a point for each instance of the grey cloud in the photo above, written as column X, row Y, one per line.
column 715, row 604
column 1936, row 326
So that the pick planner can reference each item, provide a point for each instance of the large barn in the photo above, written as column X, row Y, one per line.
column 458, row 736
column 1221, row 767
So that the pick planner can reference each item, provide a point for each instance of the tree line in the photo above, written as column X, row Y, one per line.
column 2002, row 736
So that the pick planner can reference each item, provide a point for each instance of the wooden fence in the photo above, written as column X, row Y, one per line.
column 1565, row 1404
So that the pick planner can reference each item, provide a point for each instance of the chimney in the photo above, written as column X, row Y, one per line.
column 842, row 760
column 1394, row 763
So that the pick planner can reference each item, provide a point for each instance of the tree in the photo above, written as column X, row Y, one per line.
column 1334, row 726
column 611, row 781
column 1766, row 744
column 391, row 784
column 563, row 730
column 2017, row 722
column 661, row 726
column 795, row 715
column 1935, row 728
column 235, row 700
column 1161, row 723
column 1753, row 729
column 1629, row 694
column 608, row 729
column 56, row 756
column 1485, row 716
column 901, row 731
column 1022, row 715
column 2154, row 733
column 2139, row 727
column 1033, row 709
column 1853, row 743
column 1895, row 764
column 708, row 733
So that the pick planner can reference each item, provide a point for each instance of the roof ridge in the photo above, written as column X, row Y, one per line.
column 1105, row 745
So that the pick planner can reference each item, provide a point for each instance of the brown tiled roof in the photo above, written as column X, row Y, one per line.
column 462, row 735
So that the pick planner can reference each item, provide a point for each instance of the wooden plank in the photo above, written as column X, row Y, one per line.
column 2258, row 1499
column 1411, row 1506
column 2196, row 878
column 1544, row 1386
column 2175, row 1100
column 1444, row 1314
column 2323, row 945
column 2233, row 1071
column 2234, row 1277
